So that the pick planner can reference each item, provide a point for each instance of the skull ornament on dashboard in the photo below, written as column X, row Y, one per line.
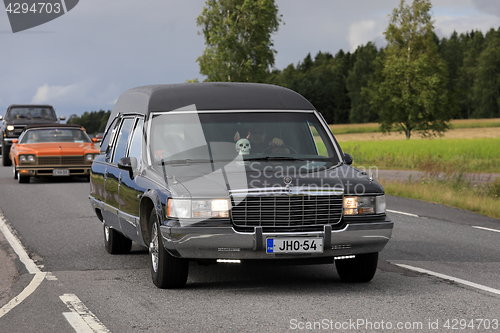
column 243, row 145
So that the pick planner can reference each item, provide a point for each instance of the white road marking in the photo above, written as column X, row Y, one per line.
column 483, row 228
column 18, row 247
column 451, row 278
column 27, row 261
column 37, row 280
column 402, row 213
column 80, row 317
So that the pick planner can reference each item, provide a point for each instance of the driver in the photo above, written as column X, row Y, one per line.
column 260, row 141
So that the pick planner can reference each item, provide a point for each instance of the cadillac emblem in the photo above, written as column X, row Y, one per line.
column 287, row 180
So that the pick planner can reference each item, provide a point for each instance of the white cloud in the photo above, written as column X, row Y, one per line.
column 362, row 32
column 54, row 94
column 445, row 25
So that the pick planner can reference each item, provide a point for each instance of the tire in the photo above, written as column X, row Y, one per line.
column 5, row 155
column 23, row 179
column 115, row 242
column 14, row 172
column 359, row 269
column 167, row 272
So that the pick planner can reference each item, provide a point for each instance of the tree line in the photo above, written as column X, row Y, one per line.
column 94, row 121
column 334, row 83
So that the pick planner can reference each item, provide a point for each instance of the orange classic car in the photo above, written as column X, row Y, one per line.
column 52, row 150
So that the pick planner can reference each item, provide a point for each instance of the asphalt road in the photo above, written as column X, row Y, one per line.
column 78, row 282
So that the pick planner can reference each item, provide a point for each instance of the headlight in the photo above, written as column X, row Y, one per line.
column 10, row 128
column 26, row 158
column 354, row 205
column 187, row 208
column 89, row 157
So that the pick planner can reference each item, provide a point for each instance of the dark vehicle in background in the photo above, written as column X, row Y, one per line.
column 17, row 118
column 183, row 171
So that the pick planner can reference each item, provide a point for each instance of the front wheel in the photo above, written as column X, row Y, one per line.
column 14, row 171
column 115, row 242
column 359, row 269
column 167, row 271
column 5, row 155
column 23, row 179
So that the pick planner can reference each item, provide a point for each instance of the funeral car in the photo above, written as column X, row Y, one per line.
column 233, row 172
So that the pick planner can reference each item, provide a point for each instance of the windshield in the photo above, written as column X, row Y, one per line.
column 54, row 135
column 211, row 137
column 31, row 113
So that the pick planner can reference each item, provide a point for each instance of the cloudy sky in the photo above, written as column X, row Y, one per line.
column 83, row 60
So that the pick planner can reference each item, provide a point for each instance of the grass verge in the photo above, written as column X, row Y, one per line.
column 483, row 199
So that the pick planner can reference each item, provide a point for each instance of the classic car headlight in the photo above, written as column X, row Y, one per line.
column 10, row 128
column 188, row 208
column 354, row 205
column 89, row 157
column 26, row 158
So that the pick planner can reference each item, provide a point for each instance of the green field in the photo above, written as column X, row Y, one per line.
column 375, row 127
column 445, row 155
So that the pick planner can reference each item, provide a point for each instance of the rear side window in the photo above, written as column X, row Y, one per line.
column 107, row 137
column 122, row 140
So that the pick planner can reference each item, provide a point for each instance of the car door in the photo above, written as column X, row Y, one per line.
column 129, row 186
column 112, row 172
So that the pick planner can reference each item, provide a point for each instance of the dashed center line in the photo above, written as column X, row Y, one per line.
column 488, row 229
column 402, row 213
column 451, row 278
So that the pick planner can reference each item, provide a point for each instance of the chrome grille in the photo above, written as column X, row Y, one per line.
column 286, row 207
column 60, row 160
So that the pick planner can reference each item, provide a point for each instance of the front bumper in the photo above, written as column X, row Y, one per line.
column 36, row 171
column 227, row 243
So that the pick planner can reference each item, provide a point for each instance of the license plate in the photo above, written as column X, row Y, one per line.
column 60, row 172
column 294, row 245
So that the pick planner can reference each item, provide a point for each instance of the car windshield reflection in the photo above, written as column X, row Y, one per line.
column 180, row 138
column 54, row 135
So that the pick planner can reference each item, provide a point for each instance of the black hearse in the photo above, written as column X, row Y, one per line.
column 233, row 172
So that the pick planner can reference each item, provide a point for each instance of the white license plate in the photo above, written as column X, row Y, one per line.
column 60, row 172
column 294, row 245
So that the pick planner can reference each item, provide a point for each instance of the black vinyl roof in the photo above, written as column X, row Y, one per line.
column 209, row 96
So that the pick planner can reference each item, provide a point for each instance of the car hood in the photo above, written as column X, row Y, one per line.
column 211, row 180
column 57, row 148
column 26, row 121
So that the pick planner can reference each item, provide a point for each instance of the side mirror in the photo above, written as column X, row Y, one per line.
column 94, row 140
column 15, row 141
column 128, row 164
column 347, row 159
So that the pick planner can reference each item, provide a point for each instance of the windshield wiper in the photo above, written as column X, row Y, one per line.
column 187, row 161
column 275, row 158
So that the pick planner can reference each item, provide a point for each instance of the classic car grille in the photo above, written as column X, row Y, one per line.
column 286, row 208
column 60, row 160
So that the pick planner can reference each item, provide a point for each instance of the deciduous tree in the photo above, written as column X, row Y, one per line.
column 411, row 88
column 238, row 39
